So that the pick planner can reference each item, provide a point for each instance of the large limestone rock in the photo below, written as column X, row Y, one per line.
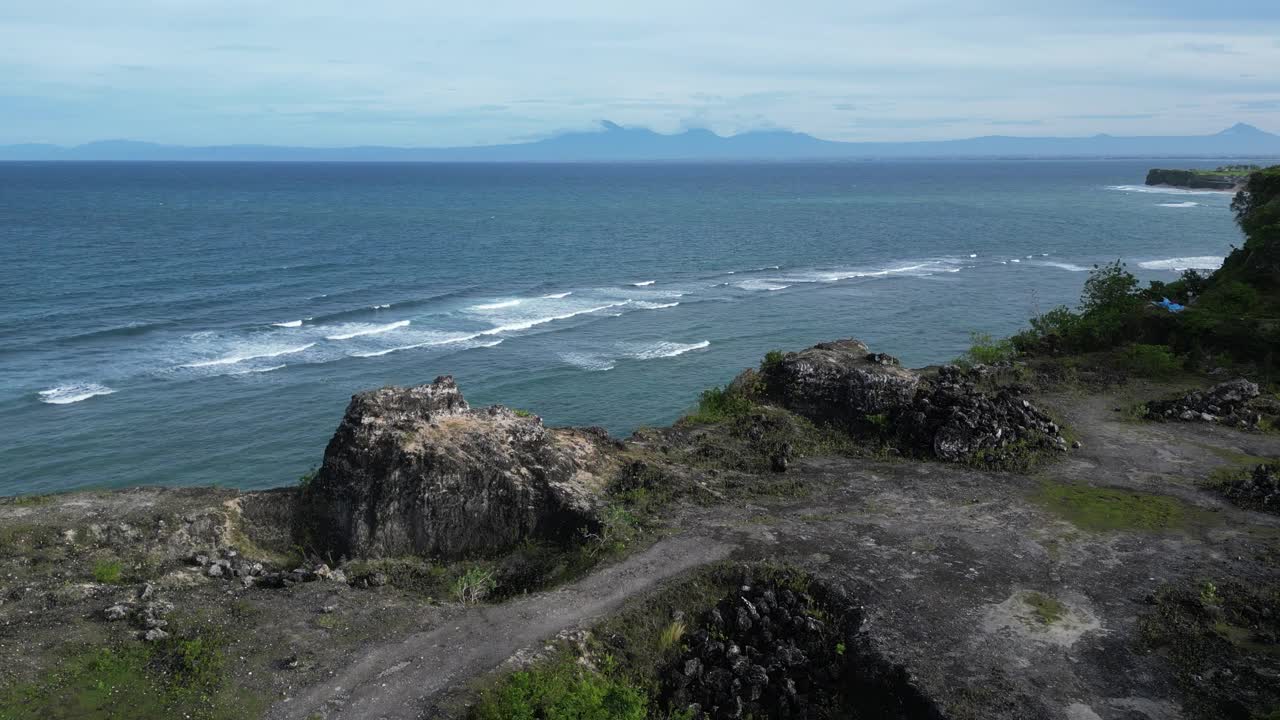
column 944, row 415
column 841, row 382
column 416, row 470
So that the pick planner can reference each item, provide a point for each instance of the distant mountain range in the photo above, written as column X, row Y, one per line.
column 616, row 143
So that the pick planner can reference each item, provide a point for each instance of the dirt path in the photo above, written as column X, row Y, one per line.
column 395, row 680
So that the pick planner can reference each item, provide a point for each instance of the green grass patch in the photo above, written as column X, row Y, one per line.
column 1047, row 610
column 718, row 404
column 180, row 677
column 562, row 689
column 987, row 350
column 1109, row 509
column 110, row 572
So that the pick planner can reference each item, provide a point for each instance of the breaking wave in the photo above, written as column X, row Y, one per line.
column 288, row 324
column 234, row 359
column 1186, row 204
column 74, row 393
column 368, row 330
column 497, row 305
column 1178, row 264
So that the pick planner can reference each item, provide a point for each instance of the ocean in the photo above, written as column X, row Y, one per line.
column 194, row 324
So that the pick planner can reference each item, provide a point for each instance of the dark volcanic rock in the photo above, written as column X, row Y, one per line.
column 944, row 416
column 953, row 420
column 767, row 650
column 1226, row 403
column 1259, row 489
column 416, row 470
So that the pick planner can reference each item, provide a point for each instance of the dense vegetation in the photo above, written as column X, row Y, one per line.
column 1232, row 316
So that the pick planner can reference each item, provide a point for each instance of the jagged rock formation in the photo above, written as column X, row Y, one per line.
column 944, row 416
column 1226, row 403
column 767, row 650
column 418, row 471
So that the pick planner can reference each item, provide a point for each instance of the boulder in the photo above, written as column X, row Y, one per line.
column 944, row 415
column 418, row 471
column 840, row 382
column 1227, row 403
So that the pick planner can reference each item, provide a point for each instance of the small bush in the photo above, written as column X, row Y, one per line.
column 671, row 635
column 986, row 350
column 562, row 690
column 1154, row 361
column 717, row 404
column 618, row 528
column 772, row 361
column 110, row 572
column 475, row 584
column 522, row 413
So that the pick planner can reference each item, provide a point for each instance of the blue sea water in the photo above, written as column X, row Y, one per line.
column 207, row 323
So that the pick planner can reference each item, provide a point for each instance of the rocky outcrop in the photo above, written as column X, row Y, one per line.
column 1258, row 489
column 1226, row 403
column 418, row 471
column 952, row 419
column 769, row 651
column 840, row 382
column 944, row 416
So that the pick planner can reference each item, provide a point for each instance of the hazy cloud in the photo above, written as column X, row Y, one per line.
column 324, row 72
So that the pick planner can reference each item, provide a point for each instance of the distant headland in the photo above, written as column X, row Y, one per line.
column 1226, row 177
column 615, row 143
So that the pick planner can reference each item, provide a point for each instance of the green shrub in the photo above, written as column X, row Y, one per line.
column 618, row 528
column 562, row 690
column 772, row 361
column 986, row 350
column 475, row 584
column 1155, row 361
column 717, row 404
column 522, row 413
column 108, row 571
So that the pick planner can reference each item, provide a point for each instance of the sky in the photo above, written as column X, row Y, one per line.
column 433, row 73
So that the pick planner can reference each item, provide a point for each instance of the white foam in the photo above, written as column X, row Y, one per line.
column 1164, row 190
column 290, row 324
column 973, row 255
column 587, row 361
column 233, row 359
column 526, row 324
column 1186, row 204
column 74, row 393
column 429, row 343
column 363, row 330
column 1063, row 266
column 383, row 306
column 761, row 285
column 1178, row 264
column 643, row 284
column 497, row 305
column 258, row 370
column 1015, row 260
column 557, row 296
column 668, row 349
column 654, row 306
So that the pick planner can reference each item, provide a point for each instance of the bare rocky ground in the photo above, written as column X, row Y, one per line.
column 1005, row 595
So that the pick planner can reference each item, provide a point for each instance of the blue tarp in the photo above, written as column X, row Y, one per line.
column 1169, row 305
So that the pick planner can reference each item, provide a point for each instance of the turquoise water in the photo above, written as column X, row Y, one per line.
column 207, row 323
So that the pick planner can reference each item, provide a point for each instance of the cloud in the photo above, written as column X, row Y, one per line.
column 411, row 73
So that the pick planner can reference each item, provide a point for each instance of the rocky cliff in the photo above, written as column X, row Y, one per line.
column 1221, row 179
column 418, row 471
